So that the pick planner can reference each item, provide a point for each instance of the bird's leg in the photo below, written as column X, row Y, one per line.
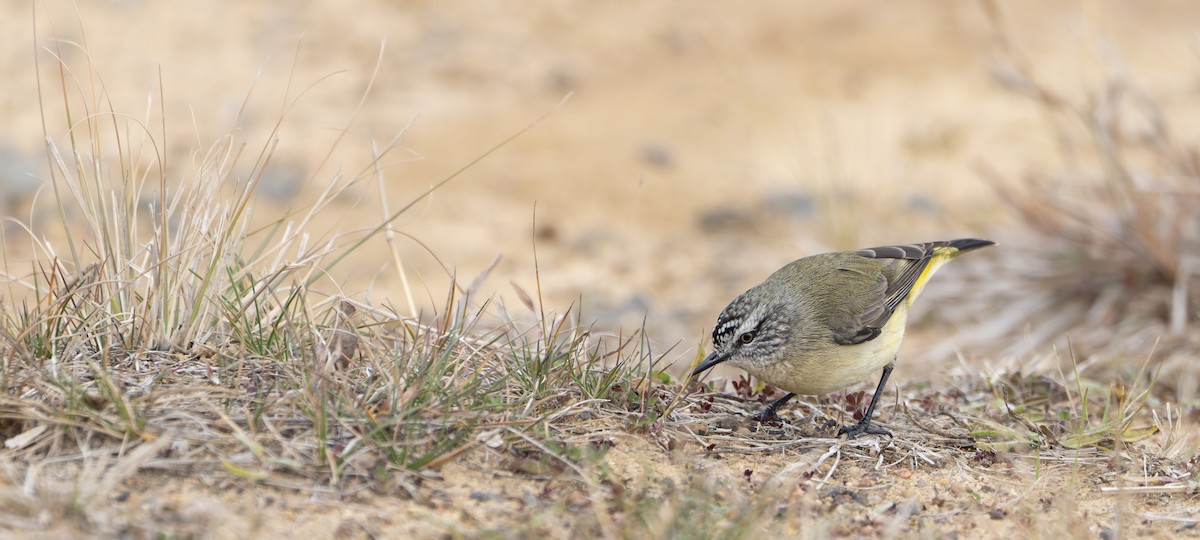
column 864, row 425
column 768, row 414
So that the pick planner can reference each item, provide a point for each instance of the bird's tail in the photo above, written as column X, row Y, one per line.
column 939, row 253
column 964, row 245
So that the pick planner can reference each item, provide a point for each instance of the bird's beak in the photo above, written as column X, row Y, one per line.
column 713, row 359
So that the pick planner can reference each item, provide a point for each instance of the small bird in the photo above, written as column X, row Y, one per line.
column 825, row 322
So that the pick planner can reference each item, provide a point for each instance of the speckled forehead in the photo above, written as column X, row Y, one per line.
column 725, row 325
column 727, row 322
column 736, row 319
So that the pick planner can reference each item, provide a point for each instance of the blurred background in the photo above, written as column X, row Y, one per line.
column 700, row 146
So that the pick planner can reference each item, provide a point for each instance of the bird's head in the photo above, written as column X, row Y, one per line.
column 752, row 331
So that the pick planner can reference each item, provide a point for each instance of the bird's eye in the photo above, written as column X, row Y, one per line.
column 747, row 337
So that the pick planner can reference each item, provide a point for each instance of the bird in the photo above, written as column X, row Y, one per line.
column 827, row 321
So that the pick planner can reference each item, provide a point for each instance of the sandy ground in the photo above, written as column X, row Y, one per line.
column 697, row 149
column 820, row 489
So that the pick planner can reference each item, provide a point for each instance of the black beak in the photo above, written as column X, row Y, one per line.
column 713, row 359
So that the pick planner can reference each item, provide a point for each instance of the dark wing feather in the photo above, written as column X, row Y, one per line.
column 895, row 280
column 854, row 322
column 907, row 264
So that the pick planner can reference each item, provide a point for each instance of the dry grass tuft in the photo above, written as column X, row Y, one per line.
column 1105, row 250
column 161, row 326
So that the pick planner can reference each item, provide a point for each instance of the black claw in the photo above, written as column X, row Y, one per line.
column 768, row 416
column 864, row 426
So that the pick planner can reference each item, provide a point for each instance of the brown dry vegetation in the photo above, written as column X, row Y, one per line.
column 232, row 317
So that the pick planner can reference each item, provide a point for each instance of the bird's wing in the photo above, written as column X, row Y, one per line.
column 879, row 289
column 903, row 268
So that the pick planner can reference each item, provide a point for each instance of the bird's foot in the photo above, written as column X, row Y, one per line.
column 767, row 416
column 863, row 426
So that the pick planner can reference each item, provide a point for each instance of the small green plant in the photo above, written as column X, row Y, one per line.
column 1039, row 412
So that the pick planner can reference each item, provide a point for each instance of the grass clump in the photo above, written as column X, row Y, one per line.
column 1106, row 248
column 160, row 308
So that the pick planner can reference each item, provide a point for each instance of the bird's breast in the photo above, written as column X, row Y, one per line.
column 831, row 367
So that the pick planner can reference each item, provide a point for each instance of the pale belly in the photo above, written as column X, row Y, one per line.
column 821, row 372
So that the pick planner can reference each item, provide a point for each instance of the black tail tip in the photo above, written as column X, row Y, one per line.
column 968, row 244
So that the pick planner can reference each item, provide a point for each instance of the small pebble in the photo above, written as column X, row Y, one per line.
column 908, row 508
